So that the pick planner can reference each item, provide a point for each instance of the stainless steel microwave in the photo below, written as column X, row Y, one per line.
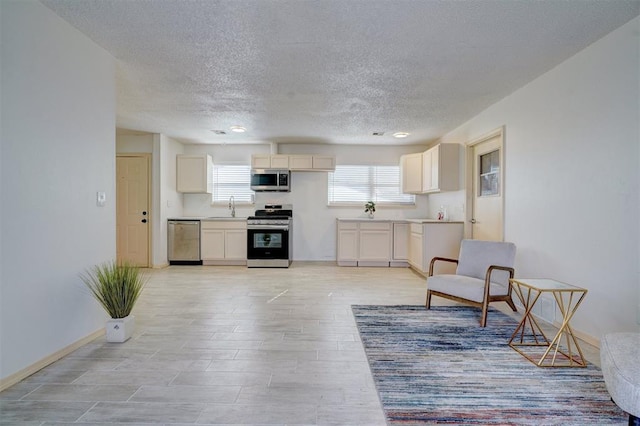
column 270, row 180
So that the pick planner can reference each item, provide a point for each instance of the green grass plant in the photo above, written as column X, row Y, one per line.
column 116, row 286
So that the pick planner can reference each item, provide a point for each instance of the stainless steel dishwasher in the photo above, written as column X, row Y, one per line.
column 183, row 242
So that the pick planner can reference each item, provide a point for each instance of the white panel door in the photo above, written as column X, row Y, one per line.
column 132, row 210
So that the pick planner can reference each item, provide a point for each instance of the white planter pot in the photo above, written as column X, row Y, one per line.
column 120, row 329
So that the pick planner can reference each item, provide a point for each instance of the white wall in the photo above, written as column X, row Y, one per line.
column 58, row 150
column 314, row 225
column 134, row 143
column 170, row 201
column 572, row 181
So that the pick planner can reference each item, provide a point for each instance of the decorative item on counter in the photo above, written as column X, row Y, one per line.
column 442, row 214
column 370, row 207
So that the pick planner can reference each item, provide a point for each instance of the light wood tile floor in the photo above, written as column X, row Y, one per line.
column 227, row 345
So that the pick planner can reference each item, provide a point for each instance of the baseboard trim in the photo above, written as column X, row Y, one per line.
column 34, row 368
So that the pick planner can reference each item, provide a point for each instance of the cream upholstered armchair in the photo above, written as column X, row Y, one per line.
column 482, row 276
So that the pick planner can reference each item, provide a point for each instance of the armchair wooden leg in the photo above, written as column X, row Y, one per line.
column 511, row 304
column 428, row 301
column 483, row 318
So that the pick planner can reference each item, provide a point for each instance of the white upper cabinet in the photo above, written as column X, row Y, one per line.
column 434, row 170
column 194, row 174
column 296, row 163
column 280, row 162
column 324, row 162
column 261, row 161
column 301, row 162
column 443, row 168
column 411, row 173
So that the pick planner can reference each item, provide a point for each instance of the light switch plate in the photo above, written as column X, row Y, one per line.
column 101, row 198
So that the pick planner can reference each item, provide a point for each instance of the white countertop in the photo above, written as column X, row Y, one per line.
column 433, row 221
column 364, row 219
column 214, row 219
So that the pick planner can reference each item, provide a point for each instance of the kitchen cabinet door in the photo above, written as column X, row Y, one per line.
column 375, row 246
column 347, row 250
column 415, row 248
column 194, row 174
column 212, row 242
column 400, row 253
column 324, row 162
column 429, row 157
column 280, row 162
column 261, row 161
column 236, row 244
column 441, row 168
column 411, row 173
column 301, row 162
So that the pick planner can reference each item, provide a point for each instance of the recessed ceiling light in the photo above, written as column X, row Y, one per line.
column 237, row 129
column 400, row 134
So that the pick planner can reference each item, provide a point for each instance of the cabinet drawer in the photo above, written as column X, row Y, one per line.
column 416, row 228
column 347, row 225
column 230, row 224
column 375, row 226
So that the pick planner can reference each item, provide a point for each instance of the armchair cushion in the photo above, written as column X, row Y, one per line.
column 465, row 287
column 476, row 256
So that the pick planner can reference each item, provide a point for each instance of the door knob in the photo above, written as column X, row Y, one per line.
column 472, row 221
column 144, row 220
column 144, row 213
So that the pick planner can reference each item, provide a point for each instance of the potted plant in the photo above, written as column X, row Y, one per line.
column 116, row 286
column 370, row 207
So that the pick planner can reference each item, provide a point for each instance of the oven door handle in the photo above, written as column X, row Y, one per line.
column 267, row 227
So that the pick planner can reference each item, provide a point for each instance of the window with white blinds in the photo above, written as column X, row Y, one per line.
column 232, row 179
column 355, row 185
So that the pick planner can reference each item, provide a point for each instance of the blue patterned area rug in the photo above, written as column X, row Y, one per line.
column 439, row 366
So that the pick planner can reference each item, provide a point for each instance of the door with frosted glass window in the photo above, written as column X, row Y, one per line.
column 488, row 189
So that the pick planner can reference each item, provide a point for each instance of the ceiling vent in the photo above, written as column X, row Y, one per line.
column 219, row 132
column 378, row 133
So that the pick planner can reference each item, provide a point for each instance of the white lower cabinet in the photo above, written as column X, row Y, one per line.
column 372, row 243
column 223, row 242
column 434, row 239
column 348, row 243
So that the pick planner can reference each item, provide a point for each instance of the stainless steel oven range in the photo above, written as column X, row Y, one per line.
column 269, row 237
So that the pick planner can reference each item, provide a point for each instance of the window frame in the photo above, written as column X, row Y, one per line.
column 372, row 172
column 225, row 202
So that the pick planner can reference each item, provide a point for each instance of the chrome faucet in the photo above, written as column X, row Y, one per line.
column 232, row 206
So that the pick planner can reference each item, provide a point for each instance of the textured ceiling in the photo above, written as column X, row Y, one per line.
column 329, row 71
